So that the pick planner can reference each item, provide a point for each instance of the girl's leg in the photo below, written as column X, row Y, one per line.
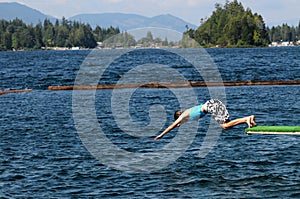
column 248, row 120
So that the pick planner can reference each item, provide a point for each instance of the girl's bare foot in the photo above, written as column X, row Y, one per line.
column 252, row 120
column 249, row 121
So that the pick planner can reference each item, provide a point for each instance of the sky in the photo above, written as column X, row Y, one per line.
column 274, row 12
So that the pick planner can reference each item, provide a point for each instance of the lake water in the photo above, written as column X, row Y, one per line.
column 43, row 154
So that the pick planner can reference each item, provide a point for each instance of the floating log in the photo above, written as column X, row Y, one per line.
column 174, row 85
column 245, row 83
column 274, row 130
column 14, row 91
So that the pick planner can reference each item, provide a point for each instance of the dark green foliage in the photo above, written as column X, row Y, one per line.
column 284, row 33
column 231, row 26
column 16, row 34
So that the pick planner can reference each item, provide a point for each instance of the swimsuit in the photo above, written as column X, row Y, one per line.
column 218, row 110
column 196, row 112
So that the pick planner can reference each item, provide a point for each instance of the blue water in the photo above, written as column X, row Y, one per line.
column 42, row 155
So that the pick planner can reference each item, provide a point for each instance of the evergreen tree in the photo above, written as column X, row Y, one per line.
column 98, row 33
column 298, row 31
column 48, row 33
column 38, row 36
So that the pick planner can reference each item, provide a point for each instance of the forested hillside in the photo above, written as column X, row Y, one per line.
column 16, row 34
column 232, row 25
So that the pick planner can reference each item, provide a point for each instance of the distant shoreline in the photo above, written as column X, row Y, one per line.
column 164, row 47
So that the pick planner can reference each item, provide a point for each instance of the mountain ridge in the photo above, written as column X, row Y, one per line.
column 125, row 21
column 133, row 21
column 13, row 10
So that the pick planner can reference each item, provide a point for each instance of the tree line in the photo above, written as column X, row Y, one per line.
column 126, row 40
column 284, row 33
column 232, row 25
column 17, row 35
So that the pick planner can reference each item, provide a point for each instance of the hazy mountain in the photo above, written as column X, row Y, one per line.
column 132, row 21
column 10, row 11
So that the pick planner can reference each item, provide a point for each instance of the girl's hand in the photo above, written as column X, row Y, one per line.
column 157, row 137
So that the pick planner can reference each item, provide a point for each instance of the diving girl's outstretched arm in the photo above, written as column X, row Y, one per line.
column 183, row 117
